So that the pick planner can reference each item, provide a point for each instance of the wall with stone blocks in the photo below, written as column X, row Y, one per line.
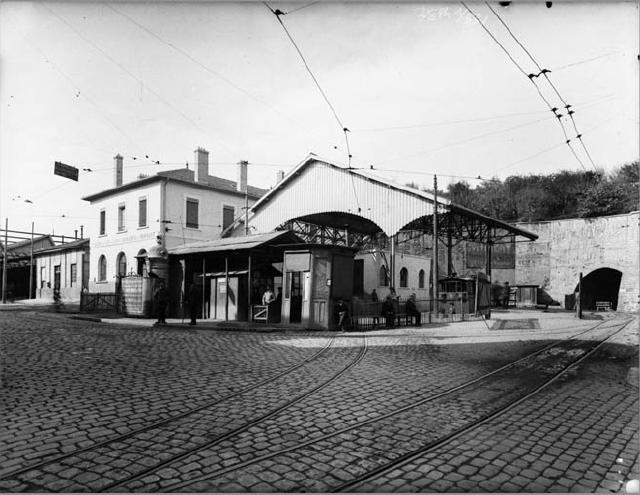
column 567, row 247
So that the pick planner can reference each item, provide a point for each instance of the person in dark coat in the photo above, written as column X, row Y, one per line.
column 374, row 296
column 389, row 311
column 506, row 292
column 341, row 315
column 161, row 295
column 412, row 310
column 194, row 299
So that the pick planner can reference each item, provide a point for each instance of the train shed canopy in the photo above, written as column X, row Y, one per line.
column 322, row 193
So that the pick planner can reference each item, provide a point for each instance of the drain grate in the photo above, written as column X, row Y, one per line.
column 523, row 324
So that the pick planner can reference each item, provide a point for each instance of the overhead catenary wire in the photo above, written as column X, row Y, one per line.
column 530, row 79
column 544, row 73
column 345, row 130
column 278, row 14
column 129, row 73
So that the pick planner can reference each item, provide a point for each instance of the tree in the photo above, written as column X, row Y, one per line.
column 604, row 198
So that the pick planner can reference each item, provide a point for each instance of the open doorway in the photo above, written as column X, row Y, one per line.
column 602, row 284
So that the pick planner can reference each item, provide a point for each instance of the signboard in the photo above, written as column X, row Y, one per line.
column 65, row 171
column 502, row 255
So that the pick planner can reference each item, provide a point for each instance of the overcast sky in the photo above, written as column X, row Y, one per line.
column 422, row 87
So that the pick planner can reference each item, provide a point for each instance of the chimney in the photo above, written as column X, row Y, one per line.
column 279, row 175
column 241, row 185
column 201, row 173
column 117, row 170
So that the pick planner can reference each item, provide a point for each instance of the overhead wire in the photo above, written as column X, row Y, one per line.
column 530, row 79
column 129, row 73
column 544, row 73
column 345, row 130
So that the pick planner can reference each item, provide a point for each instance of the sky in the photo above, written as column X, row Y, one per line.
column 422, row 87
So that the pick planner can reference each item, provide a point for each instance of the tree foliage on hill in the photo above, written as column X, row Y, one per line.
column 563, row 194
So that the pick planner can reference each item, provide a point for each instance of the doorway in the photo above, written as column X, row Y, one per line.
column 602, row 284
column 295, row 293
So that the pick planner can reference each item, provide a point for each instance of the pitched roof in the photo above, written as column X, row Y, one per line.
column 183, row 176
column 67, row 246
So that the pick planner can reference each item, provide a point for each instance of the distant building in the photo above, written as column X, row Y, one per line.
column 64, row 267
column 137, row 222
column 19, row 265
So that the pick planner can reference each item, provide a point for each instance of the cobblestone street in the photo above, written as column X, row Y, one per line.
column 123, row 407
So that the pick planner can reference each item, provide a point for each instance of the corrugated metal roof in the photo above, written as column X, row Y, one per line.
column 328, row 188
column 234, row 243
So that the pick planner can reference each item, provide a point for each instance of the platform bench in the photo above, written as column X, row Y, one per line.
column 603, row 305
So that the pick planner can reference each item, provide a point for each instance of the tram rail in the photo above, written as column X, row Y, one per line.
column 573, row 342
column 165, row 421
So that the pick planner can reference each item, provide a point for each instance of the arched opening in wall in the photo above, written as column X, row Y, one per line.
column 603, row 285
column 141, row 257
column 121, row 264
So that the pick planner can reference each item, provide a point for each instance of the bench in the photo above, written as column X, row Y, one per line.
column 603, row 305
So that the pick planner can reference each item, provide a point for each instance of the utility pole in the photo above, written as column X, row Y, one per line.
column 434, row 275
column 31, row 265
column 4, row 262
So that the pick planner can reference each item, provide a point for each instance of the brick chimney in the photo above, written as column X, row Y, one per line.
column 117, row 169
column 279, row 175
column 241, row 185
column 201, row 173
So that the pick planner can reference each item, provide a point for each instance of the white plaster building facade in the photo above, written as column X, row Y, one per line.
column 165, row 210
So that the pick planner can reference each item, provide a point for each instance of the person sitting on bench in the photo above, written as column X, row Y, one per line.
column 412, row 310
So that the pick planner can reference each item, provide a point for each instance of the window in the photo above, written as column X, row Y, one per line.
column 74, row 274
column 102, row 269
column 421, row 279
column 43, row 275
column 404, row 277
column 142, row 262
column 142, row 212
column 56, row 277
column 384, row 276
column 103, row 218
column 192, row 213
column 121, row 224
column 121, row 264
column 228, row 214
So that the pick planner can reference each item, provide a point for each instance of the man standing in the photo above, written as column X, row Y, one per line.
column 412, row 310
column 161, row 295
column 194, row 298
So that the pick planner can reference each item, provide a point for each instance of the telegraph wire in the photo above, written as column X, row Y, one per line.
column 300, row 8
column 278, row 14
column 529, row 77
column 128, row 72
column 344, row 129
column 544, row 73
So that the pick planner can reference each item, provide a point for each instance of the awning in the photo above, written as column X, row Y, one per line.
column 237, row 243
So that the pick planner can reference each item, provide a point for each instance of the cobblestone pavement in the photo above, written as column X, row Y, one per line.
column 71, row 384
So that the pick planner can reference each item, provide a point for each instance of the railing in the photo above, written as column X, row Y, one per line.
column 99, row 302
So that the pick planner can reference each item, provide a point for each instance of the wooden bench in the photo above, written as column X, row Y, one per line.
column 603, row 305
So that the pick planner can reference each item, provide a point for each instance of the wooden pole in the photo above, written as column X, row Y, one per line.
column 249, row 310
column 31, row 265
column 204, row 280
column 4, row 263
column 434, row 274
column 226, row 288
column 579, row 297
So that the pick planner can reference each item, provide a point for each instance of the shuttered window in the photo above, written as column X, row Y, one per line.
column 142, row 212
column 103, row 218
column 192, row 213
column 228, row 213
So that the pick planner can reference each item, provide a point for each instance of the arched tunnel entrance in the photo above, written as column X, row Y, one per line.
column 602, row 284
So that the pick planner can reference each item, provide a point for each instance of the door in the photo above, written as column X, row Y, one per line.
column 295, row 288
column 56, row 277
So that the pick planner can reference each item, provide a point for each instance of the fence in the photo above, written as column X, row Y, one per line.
column 98, row 302
column 368, row 315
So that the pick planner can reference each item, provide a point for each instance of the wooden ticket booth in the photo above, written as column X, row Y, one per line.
column 314, row 278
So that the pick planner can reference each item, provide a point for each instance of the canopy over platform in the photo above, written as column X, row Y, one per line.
column 349, row 204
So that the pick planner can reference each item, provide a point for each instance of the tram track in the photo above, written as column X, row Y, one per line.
column 176, row 453
column 411, row 456
column 175, row 417
column 573, row 346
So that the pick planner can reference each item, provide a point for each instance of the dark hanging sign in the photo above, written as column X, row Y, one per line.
column 65, row 171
